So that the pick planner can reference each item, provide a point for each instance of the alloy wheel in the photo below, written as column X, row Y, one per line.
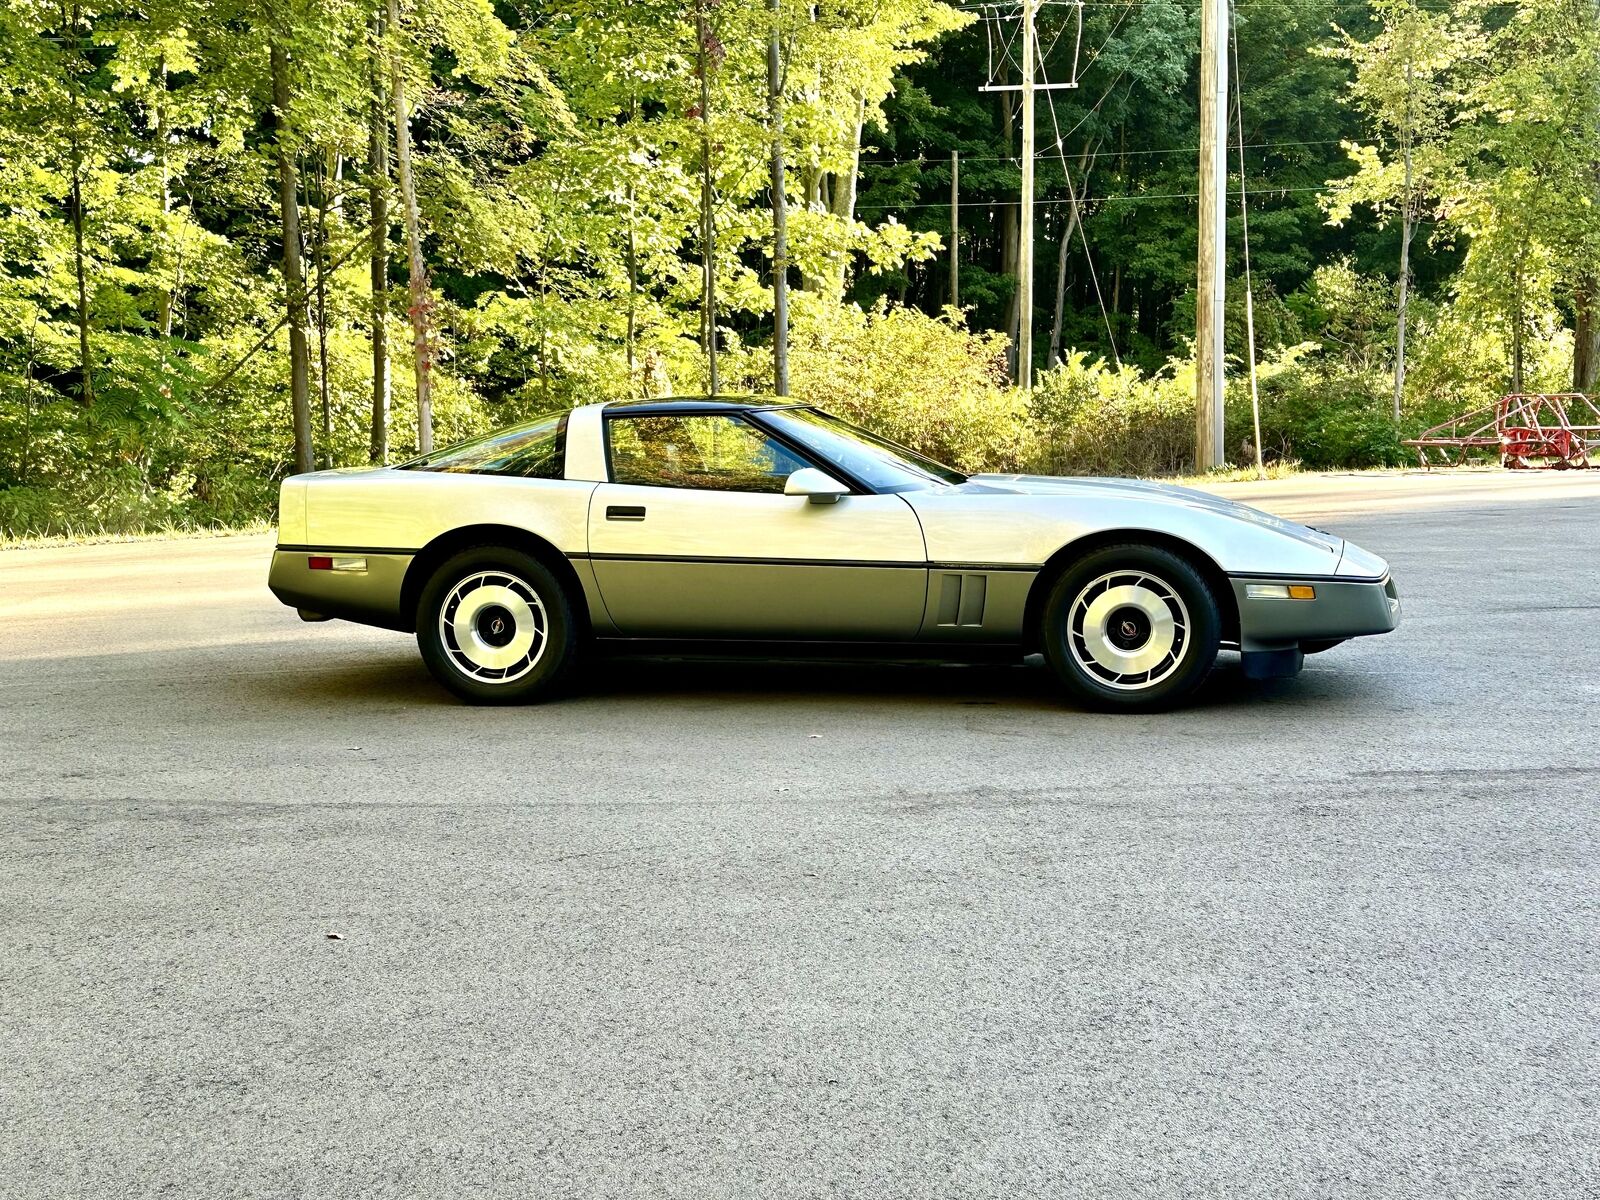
column 1128, row 630
column 493, row 627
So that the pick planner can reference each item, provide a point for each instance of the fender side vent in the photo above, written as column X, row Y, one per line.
column 962, row 599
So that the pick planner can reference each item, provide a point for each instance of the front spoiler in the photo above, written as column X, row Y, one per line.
column 1343, row 608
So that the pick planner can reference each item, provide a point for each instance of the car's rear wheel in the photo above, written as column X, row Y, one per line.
column 1131, row 628
column 495, row 626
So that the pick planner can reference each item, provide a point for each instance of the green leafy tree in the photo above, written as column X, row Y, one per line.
column 1405, row 84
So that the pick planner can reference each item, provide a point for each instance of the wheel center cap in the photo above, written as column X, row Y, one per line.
column 1128, row 628
column 495, row 626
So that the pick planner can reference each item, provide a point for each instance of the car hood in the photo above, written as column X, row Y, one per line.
column 1148, row 491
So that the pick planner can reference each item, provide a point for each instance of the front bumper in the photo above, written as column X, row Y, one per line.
column 1342, row 608
column 366, row 587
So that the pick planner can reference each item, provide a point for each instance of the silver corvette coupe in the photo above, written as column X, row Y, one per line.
column 776, row 525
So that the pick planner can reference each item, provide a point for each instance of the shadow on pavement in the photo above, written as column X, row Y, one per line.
column 262, row 681
column 615, row 681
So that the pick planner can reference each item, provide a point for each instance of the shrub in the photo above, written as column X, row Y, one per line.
column 1318, row 413
column 116, row 507
column 1092, row 419
column 926, row 382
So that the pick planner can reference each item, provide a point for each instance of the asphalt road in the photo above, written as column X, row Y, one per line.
column 757, row 931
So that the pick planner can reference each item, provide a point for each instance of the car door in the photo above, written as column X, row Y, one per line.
column 693, row 537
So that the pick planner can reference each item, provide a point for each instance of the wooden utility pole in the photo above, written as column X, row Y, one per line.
column 780, row 214
column 1025, row 233
column 955, row 229
column 1211, row 282
column 1249, row 282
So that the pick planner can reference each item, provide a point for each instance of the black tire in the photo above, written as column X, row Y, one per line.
column 1086, row 636
column 530, row 612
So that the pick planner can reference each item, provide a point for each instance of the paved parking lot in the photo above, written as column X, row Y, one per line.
column 787, row 931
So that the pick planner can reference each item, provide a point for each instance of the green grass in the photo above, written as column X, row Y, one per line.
column 91, row 536
column 1232, row 474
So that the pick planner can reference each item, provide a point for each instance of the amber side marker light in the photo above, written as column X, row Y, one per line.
column 1280, row 591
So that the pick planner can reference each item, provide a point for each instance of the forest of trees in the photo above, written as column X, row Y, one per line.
column 241, row 238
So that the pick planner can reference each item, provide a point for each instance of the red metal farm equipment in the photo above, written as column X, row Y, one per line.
column 1557, row 430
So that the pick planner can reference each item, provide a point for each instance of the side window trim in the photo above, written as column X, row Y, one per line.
column 857, row 486
column 738, row 418
column 554, row 465
column 558, row 461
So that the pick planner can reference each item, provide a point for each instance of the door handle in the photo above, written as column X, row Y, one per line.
column 624, row 512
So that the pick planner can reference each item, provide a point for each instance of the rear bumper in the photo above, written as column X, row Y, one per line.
column 1343, row 608
column 366, row 587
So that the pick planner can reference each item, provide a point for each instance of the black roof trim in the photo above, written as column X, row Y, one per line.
column 698, row 404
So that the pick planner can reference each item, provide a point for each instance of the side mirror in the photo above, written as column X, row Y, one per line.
column 818, row 486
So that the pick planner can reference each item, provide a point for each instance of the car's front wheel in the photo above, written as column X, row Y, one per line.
column 1131, row 628
column 495, row 626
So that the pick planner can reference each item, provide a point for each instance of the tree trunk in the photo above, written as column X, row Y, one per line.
column 1061, row 284
column 421, row 297
column 1009, row 234
column 1516, row 327
column 159, row 132
column 320, row 266
column 1586, row 335
column 708, row 225
column 631, row 259
column 75, row 214
column 955, row 229
column 25, row 450
column 780, row 212
column 632, row 254
column 294, row 281
column 1407, row 223
column 843, row 199
column 334, row 170
column 1586, row 321
column 378, row 211
column 1406, row 227
column 80, row 266
column 811, row 191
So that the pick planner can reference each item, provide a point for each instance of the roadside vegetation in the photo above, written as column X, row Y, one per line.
column 241, row 239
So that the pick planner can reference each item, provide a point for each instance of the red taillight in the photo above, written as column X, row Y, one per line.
column 318, row 562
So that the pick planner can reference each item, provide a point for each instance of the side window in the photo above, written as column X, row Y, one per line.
column 713, row 452
column 533, row 451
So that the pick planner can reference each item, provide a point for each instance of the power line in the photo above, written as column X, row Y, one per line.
column 1082, row 233
column 1060, row 139
column 1108, row 198
column 923, row 160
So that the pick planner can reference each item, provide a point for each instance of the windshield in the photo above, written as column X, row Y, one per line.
column 535, row 451
column 875, row 461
